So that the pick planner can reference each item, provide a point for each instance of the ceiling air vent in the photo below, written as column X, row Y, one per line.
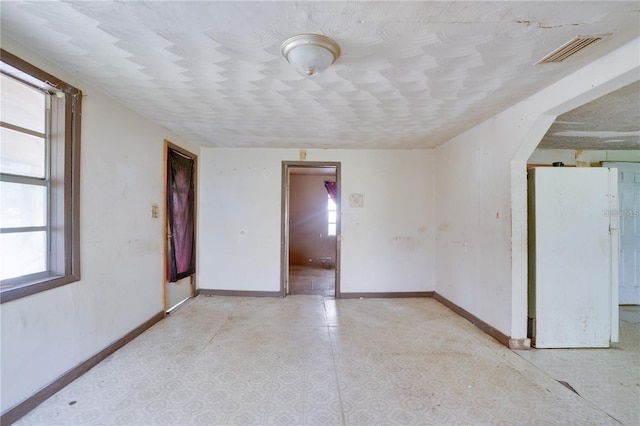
column 571, row 48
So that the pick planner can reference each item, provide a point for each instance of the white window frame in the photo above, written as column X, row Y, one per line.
column 329, row 222
column 62, row 179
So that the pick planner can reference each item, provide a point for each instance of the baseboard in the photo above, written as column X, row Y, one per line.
column 240, row 293
column 386, row 295
column 522, row 344
column 491, row 331
column 14, row 414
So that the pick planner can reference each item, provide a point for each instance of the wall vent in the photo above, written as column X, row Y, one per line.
column 570, row 48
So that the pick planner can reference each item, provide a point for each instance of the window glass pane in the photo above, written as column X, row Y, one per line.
column 21, row 154
column 22, row 205
column 23, row 253
column 21, row 105
column 331, row 204
column 332, row 229
column 332, row 217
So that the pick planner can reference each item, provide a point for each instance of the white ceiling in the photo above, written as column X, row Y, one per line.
column 411, row 74
column 610, row 122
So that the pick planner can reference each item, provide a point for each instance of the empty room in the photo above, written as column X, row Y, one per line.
column 319, row 212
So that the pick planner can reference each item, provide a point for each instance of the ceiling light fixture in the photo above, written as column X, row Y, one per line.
column 310, row 53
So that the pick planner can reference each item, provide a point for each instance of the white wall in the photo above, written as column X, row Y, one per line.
column 46, row 334
column 388, row 245
column 582, row 158
column 473, row 226
column 481, row 194
column 594, row 158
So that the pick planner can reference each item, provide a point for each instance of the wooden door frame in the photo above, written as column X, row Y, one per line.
column 284, row 241
column 165, row 246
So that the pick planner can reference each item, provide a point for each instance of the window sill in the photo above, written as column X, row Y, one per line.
column 33, row 286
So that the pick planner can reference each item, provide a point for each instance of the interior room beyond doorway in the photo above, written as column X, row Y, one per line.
column 313, row 217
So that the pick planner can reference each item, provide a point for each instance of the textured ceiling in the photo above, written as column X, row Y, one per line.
column 411, row 74
column 610, row 122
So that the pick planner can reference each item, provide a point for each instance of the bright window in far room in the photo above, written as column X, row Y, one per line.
column 332, row 216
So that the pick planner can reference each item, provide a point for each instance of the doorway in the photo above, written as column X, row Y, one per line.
column 310, row 246
column 629, row 218
column 179, row 249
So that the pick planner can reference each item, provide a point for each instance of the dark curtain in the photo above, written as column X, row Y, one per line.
column 180, row 197
column 331, row 189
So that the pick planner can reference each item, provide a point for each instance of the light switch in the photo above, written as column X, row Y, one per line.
column 154, row 211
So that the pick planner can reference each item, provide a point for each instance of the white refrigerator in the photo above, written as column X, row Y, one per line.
column 573, row 257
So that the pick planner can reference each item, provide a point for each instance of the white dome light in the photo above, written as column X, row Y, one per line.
column 310, row 53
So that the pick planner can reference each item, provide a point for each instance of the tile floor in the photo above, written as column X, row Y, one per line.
column 608, row 378
column 309, row 280
column 314, row 360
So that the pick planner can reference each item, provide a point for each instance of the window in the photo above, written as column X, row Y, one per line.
column 332, row 216
column 39, row 180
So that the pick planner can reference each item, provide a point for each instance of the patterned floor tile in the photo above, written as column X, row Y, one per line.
column 319, row 361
